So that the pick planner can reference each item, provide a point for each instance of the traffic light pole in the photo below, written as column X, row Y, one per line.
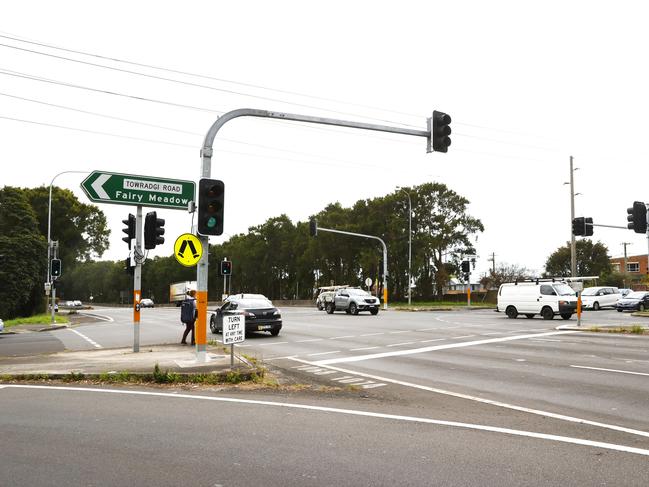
column 206, row 172
column 385, row 258
column 137, row 279
column 573, row 242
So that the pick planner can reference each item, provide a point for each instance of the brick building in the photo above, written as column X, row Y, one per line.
column 636, row 269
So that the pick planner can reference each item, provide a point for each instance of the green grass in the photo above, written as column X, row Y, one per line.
column 42, row 319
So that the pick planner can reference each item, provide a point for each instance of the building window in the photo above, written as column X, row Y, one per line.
column 616, row 266
column 633, row 267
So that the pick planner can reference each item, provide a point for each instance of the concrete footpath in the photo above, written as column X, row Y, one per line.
column 181, row 359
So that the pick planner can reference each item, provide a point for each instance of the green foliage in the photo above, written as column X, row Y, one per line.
column 505, row 273
column 592, row 260
column 40, row 319
column 22, row 256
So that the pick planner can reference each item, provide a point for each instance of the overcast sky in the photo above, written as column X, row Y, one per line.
column 528, row 84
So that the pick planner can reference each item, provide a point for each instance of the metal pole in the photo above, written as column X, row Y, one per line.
column 647, row 208
column 53, row 289
column 137, row 279
column 573, row 244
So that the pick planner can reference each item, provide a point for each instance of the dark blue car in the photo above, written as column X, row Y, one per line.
column 635, row 301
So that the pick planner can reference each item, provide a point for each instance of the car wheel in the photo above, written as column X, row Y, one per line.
column 347, row 311
column 319, row 306
column 330, row 309
column 619, row 310
column 374, row 311
column 213, row 325
column 641, row 307
column 529, row 315
column 274, row 332
column 547, row 313
column 596, row 306
column 511, row 312
column 353, row 309
column 566, row 316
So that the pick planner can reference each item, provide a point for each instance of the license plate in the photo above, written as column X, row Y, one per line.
column 264, row 327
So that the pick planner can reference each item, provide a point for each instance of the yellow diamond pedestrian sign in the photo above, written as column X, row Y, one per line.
column 188, row 249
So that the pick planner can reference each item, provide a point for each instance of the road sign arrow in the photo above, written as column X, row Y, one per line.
column 98, row 186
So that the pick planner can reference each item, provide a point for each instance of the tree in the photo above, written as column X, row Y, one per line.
column 592, row 260
column 22, row 256
column 505, row 273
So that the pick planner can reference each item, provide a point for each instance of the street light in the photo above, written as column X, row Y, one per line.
column 49, row 239
column 409, row 244
column 573, row 244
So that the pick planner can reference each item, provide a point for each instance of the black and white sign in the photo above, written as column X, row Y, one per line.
column 234, row 329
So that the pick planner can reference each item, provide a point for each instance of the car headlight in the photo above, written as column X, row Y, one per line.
column 276, row 313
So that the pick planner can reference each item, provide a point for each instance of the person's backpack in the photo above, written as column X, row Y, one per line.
column 187, row 311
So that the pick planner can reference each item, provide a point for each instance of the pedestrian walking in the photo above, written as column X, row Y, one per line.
column 188, row 315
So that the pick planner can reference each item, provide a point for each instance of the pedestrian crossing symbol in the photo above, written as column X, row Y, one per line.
column 188, row 249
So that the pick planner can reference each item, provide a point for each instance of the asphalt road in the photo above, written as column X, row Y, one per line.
column 475, row 369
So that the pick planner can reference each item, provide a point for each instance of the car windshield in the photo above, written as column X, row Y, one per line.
column 253, row 303
column 357, row 292
column 635, row 295
column 564, row 290
column 589, row 291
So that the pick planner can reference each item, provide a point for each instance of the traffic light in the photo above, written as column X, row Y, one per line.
column 440, row 131
column 313, row 227
column 56, row 268
column 129, row 230
column 637, row 217
column 466, row 266
column 153, row 230
column 579, row 226
column 588, row 227
column 226, row 267
column 210, row 206
column 130, row 269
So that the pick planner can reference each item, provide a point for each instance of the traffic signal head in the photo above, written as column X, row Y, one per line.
column 440, row 131
column 466, row 266
column 56, row 268
column 210, row 206
column 130, row 269
column 637, row 217
column 129, row 230
column 579, row 226
column 226, row 267
column 313, row 227
column 588, row 227
column 153, row 230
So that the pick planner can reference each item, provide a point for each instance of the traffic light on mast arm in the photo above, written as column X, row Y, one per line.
column 129, row 230
column 440, row 131
column 153, row 230
column 210, row 206
column 313, row 227
column 582, row 227
column 637, row 217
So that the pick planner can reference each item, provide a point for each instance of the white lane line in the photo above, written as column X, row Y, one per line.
column 429, row 329
column 609, row 370
column 411, row 351
column 371, row 334
column 433, row 340
column 401, row 344
column 89, row 340
column 538, row 412
column 544, row 340
column 271, row 344
column 364, row 348
column 322, row 353
column 99, row 317
column 310, row 340
column 401, row 331
column 351, row 381
column 464, row 336
column 343, row 377
column 495, row 333
column 351, row 412
column 325, row 372
column 346, row 336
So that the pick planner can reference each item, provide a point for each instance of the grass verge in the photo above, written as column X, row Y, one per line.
column 633, row 329
column 42, row 319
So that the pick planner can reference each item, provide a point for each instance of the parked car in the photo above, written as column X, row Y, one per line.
column 259, row 311
column 634, row 301
column 2, row 326
column 146, row 303
column 352, row 300
column 599, row 297
column 68, row 304
column 546, row 298
column 324, row 298
column 624, row 291
column 77, row 303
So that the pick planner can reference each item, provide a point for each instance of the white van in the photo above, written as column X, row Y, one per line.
column 537, row 297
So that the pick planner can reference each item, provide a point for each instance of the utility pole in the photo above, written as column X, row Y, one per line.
column 573, row 244
column 493, row 262
column 409, row 245
column 625, row 257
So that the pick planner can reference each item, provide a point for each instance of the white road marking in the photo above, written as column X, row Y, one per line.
column 401, row 344
column 412, row 351
column 347, row 336
column 325, row 372
column 99, row 317
column 371, row 334
column 322, row 353
column 364, row 348
column 310, row 340
column 89, row 340
column 429, row 329
column 351, row 412
column 464, row 336
column 496, row 333
column 538, row 412
column 271, row 344
column 402, row 331
column 544, row 340
column 610, row 370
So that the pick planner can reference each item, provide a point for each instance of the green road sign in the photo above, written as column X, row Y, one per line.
column 128, row 189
